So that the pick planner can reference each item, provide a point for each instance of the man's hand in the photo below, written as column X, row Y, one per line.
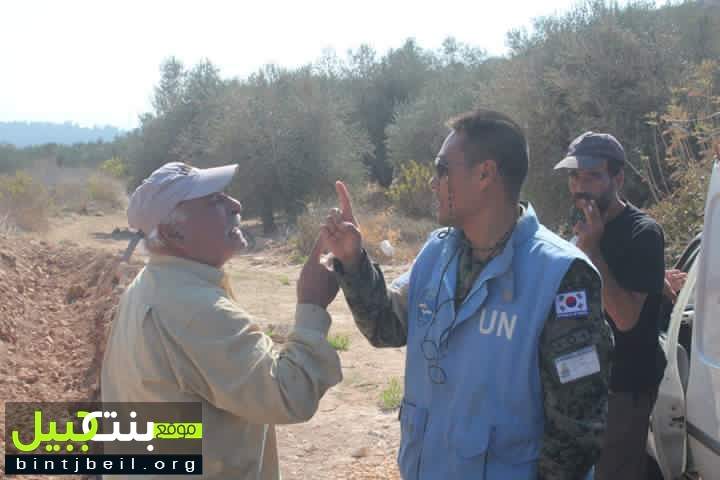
column 674, row 281
column 317, row 285
column 591, row 230
column 341, row 232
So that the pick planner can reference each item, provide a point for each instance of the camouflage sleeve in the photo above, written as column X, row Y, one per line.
column 575, row 349
column 380, row 312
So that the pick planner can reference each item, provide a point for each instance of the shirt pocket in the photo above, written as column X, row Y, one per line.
column 412, row 431
column 469, row 442
column 515, row 444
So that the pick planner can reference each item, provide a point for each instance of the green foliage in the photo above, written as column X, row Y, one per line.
column 293, row 138
column 9, row 158
column 115, row 168
column 600, row 66
column 420, row 125
column 688, row 132
column 339, row 341
column 391, row 396
column 411, row 191
column 377, row 87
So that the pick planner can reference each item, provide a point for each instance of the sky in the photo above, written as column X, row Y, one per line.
column 96, row 62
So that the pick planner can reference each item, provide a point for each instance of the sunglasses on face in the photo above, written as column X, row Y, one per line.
column 442, row 167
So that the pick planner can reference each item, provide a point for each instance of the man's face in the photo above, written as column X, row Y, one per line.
column 594, row 183
column 453, row 178
column 211, row 230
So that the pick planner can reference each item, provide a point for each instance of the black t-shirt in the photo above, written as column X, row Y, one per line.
column 633, row 247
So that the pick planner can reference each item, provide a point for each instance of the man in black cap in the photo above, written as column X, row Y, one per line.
column 627, row 247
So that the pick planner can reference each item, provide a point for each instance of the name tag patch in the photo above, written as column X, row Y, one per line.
column 579, row 364
column 571, row 304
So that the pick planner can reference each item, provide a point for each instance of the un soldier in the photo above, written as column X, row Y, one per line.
column 507, row 347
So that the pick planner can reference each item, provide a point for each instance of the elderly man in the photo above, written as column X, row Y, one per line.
column 181, row 336
column 507, row 347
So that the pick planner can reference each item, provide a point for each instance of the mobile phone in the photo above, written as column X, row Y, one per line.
column 576, row 214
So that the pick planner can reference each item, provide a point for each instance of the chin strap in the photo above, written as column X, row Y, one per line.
column 132, row 245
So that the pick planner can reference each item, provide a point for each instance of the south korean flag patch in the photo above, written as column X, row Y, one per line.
column 571, row 304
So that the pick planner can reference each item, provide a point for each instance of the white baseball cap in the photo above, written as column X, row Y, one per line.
column 153, row 201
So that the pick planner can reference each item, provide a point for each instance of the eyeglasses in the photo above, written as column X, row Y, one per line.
column 434, row 351
column 431, row 352
column 442, row 167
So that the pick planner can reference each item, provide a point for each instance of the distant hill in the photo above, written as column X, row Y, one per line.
column 23, row 134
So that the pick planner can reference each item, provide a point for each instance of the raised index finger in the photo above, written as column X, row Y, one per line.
column 345, row 203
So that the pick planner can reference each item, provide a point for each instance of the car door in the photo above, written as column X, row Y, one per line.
column 668, row 436
column 703, row 394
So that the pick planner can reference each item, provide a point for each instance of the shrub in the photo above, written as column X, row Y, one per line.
column 688, row 130
column 115, row 168
column 391, row 396
column 340, row 341
column 24, row 202
column 375, row 228
column 308, row 227
column 411, row 192
column 72, row 196
column 105, row 191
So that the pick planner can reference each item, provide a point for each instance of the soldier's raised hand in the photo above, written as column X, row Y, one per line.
column 341, row 231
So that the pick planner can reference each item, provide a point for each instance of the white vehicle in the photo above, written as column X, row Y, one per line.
column 684, row 436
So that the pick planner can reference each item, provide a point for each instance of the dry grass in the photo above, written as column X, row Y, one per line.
column 378, row 220
column 413, row 233
column 7, row 227
column 308, row 228
column 375, row 228
column 83, row 194
column 70, row 196
column 105, row 191
column 24, row 202
column 405, row 234
column 373, row 198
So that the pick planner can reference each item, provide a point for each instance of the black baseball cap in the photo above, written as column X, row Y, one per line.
column 590, row 149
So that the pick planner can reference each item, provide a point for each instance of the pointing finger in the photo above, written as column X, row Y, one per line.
column 345, row 202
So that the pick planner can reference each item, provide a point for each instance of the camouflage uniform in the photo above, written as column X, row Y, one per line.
column 575, row 412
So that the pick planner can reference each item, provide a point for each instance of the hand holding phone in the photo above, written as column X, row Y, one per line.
column 576, row 214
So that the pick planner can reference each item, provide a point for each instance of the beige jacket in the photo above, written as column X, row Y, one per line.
column 180, row 337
